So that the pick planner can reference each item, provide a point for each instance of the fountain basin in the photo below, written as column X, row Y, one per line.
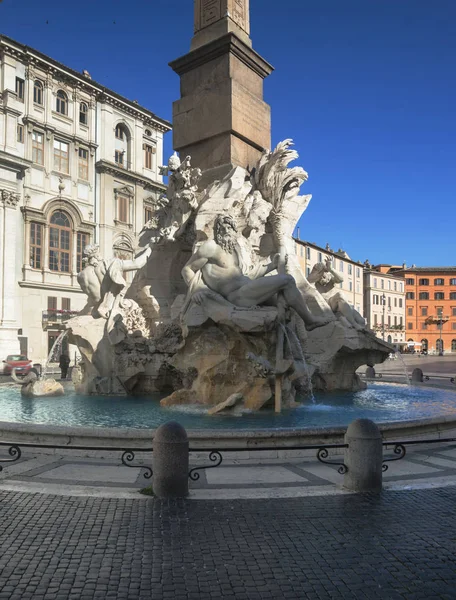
column 401, row 412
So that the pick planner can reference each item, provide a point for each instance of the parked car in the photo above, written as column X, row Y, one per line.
column 16, row 361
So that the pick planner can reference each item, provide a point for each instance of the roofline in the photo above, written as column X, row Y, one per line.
column 379, row 274
column 27, row 50
column 358, row 264
column 427, row 269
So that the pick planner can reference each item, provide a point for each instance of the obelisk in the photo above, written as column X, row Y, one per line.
column 221, row 119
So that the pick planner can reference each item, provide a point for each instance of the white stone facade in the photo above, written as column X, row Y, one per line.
column 78, row 164
column 352, row 272
column 384, row 305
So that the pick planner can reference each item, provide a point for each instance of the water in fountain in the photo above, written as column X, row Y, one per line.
column 289, row 332
column 55, row 351
column 404, row 367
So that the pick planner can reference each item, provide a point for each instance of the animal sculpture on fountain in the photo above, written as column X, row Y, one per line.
column 34, row 387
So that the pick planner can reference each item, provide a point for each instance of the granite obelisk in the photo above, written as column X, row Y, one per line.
column 221, row 119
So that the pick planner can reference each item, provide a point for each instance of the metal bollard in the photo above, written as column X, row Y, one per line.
column 170, row 461
column 417, row 376
column 363, row 457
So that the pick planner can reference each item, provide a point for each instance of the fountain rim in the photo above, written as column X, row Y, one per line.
column 222, row 439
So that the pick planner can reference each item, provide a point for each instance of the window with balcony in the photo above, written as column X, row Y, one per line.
column 439, row 296
column 83, row 164
column 81, row 242
column 66, row 303
column 52, row 303
column 439, row 281
column 423, row 282
column 20, row 89
column 410, row 281
column 61, row 156
column 60, row 242
column 36, row 245
column 410, row 295
column 423, row 295
column 83, row 113
column 37, row 147
column 61, row 104
column 38, row 92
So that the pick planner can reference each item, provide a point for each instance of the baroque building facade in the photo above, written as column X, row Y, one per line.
column 310, row 254
column 384, row 303
column 79, row 164
column 430, row 307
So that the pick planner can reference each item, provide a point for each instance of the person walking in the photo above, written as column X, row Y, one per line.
column 64, row 363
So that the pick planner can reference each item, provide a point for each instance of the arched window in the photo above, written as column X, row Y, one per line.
column 83, row 111
column 60, row 242
column 122, row 146
column 453, row 345
column 390, row 339
column 439, row 345
column 62, row 103
column 38, row 92
column 424, row 344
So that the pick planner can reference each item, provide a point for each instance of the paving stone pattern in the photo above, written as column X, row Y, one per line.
column 401, row 545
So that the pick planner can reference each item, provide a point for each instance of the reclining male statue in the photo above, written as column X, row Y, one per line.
column 217, row 264
column 325, row 279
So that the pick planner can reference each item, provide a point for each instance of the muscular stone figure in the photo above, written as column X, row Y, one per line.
column 102, row 280
column 325, row 278
column 218, row 262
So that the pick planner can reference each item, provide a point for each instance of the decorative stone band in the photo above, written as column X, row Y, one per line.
column 9, row 199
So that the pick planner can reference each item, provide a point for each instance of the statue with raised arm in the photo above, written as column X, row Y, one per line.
column 325, row 278
column 103, row 281
column 217, row 266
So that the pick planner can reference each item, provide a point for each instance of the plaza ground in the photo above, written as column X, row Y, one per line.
column 77, row 528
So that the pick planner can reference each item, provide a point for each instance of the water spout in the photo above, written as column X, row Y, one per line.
column 404, row 366
column 55, row 350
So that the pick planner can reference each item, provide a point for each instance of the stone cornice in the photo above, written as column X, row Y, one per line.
column 14, row 162
column 50, row 286
column 104, row 166
column 35, row 59
column 227, row 44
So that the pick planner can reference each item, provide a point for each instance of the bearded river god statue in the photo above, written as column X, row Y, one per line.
column 219, row 312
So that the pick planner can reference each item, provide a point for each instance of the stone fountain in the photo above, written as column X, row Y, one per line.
column 219, row 312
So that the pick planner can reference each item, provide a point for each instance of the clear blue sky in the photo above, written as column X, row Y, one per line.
column 366, row 88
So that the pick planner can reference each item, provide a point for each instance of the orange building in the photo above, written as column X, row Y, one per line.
column 430, row 307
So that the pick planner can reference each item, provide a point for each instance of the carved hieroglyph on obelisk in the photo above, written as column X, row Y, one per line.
column 221, row 119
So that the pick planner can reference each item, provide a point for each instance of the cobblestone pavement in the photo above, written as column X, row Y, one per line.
column 401, row 545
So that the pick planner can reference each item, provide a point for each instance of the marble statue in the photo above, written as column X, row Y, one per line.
column 102, row 280
column 325, row 279
column 216, row 264
column 173, row 210
column 219, row 312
